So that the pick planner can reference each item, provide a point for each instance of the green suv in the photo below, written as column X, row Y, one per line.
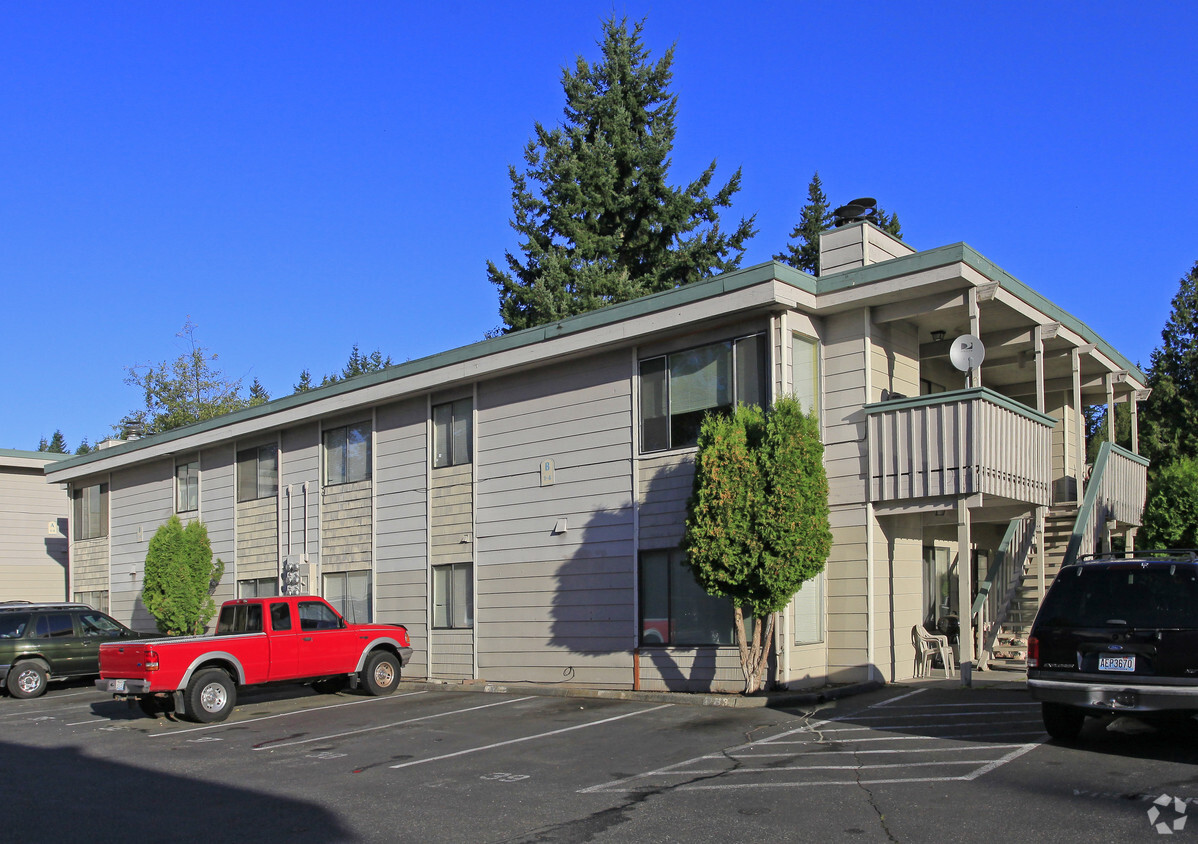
column 44, row 642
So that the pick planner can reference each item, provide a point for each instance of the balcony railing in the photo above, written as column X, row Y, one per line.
column 956, row 444
column 1115, row 493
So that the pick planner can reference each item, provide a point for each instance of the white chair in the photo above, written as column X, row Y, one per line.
column 927, row 646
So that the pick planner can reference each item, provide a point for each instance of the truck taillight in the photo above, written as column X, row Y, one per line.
column 151, row 660
column 1033, row 652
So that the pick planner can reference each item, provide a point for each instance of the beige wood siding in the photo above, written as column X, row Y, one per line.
column 553, row 606
column 452, row 509
column 664, row 484
column 257, row 538
column 452, row 655
column 346, row 527
column 140, row 500
column 33, row 557
column 299, row 528
column 90, row 565
column 401, row 534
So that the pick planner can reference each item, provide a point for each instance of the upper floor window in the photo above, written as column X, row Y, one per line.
column 804, row 359
column 678, row 389
column 91, row 511
column 187, row 486
column 347, row 454
column 451, row 432
column 257, row 473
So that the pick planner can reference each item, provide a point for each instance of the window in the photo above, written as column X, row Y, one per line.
column 97, row 599
column 257, row 473
column 928, row 388
column 280, row 616
column 54, row 626
column 316, row 615
column 187, row 486
column 239, row 618
column 809, row 612
column 453, row 596
column 347, row 454
column 939, row 587
column 260, row 587
column 98, row 625
column 91, row 511
column 804, row 360
column 349, row 593
column 677, row 390
column 674, row 608
column 451, row 433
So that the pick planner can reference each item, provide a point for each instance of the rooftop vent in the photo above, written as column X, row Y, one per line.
column 860, row 210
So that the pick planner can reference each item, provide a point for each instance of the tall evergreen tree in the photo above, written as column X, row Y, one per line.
column 58, row 444
column 1169, row 420
column 598, row 222
column 802, row 252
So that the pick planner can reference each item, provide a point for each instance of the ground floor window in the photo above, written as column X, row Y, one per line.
column 350, row 594
column 674, row 608
column 97, row 600
column 259, row 587
column 453, row 596
column 809, row 612
column 940, row 593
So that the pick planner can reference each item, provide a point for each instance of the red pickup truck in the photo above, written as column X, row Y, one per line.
column 292, row 639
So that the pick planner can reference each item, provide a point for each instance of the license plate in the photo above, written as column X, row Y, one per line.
column 116, row 685
column 1116, row 663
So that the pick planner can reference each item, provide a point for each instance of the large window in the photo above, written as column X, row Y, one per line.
column 187, row 486
column 674, row 608
column 804, row 360
column 257, row 473
column 349, row 593
column 347, row 454
column 451, row 433
column 91, row 512
column 453, row 596
column 677, row 390
column 97, row 599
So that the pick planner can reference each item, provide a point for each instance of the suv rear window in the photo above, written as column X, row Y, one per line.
column 1134, row 595
column 12, row 625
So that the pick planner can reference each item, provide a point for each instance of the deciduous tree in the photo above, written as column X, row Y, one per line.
column 598, row 221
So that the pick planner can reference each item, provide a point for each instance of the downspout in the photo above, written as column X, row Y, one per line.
column 778, row 382
column 869, row 511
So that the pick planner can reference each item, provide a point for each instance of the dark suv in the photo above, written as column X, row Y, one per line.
column 43, row 642
column 1116, row 635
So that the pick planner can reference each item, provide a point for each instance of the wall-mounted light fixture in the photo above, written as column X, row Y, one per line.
column 937, row 336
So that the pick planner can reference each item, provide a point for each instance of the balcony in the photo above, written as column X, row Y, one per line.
column 958, row 444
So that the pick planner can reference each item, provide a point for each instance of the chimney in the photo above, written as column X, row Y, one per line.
column 856, row 241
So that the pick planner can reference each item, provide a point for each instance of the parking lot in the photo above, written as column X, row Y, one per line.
column 903, row 763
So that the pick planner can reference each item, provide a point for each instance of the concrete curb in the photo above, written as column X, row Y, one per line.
column 772, row 699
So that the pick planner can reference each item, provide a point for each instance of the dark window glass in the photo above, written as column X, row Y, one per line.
column 452, row 424
column 257, row 473
column 240, row 618
column 453, row 596
column 347, row 454
column 91, row 512
column 315, row 615
column 1156, row 596
column 98, row 624
column 12, row 625
column 55, row 626
column 187, row 487
column 674, row 608
column 280, row 616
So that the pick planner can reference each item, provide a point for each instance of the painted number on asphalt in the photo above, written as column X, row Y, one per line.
column 502, row 776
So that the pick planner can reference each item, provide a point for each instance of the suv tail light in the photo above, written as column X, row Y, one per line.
column 1033, row 652
column 151, row 660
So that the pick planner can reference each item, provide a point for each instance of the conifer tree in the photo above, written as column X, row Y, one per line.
column 1169, row 419
column 802, row 252
column 180, row 577
column 598, row 221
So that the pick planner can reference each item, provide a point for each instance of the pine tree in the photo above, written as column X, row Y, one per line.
column 1169, row 419
column 180, row 577
column 815, row 217
column 58, row 444
column 258, row 394
column 305, row 382
column 597, row 220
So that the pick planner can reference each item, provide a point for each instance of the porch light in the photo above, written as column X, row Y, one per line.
column 937, row 336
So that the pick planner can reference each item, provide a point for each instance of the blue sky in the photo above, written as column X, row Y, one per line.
column 300, row 177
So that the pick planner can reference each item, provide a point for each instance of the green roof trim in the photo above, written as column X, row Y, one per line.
column 34, row 455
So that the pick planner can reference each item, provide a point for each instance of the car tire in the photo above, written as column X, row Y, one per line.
column 381, row 674
column 27, row 678
column 210, row 696
column 1063, row 723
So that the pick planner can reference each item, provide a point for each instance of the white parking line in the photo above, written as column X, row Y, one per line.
column 531, row 738
column 93, row 721
column 386, row 726
column 285, row 714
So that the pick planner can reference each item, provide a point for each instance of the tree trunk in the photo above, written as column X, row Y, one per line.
column 753, row 657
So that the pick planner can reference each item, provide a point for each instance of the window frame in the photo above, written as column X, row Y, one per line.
column 340, row 465
column 674, row 425
column 257, row 584
column 90, row 511
column 452, row 613
column 661, row 630
column 187, row 486
column 457, row 436
column 816, row 349
column 814, row 598
column 345, row 605
column 248, row 456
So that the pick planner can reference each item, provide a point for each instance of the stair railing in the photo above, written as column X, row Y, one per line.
column 998, row 589
column 1116, row 491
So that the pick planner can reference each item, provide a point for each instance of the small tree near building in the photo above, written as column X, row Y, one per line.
column 180, row 578
column 757, row 523
column 1171, row 509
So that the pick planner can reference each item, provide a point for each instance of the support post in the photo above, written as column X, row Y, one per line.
column 964, row 593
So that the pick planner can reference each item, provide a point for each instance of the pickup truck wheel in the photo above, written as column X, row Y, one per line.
column 27, row 679
column 381, row 674
column 1063, row 723
column 210, row 696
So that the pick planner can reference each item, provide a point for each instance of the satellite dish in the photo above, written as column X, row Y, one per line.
column 967, row 352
